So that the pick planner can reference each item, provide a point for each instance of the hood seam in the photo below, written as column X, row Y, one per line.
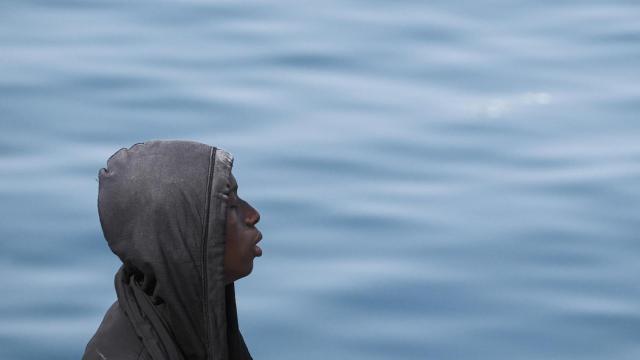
column 205, row 292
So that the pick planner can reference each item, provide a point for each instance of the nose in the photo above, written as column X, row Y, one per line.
column 253, row 216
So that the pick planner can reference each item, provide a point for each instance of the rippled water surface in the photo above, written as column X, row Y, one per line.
column 437, row 179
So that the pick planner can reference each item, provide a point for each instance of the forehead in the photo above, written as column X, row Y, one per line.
column 232, row 182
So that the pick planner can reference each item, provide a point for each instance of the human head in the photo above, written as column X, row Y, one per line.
column 241, row 235
column 163, row 211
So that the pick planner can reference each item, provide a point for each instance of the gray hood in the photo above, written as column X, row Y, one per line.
column 162, row 214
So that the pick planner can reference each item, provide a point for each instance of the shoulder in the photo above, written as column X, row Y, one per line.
column 114, row 339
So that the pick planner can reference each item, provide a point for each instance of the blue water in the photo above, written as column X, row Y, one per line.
column 436, row 179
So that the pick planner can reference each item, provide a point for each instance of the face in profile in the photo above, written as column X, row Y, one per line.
column 241, row 236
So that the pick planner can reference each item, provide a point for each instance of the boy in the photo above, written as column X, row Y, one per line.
column 170, row 211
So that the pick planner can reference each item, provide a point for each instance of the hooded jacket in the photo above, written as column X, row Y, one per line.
column 162, row 213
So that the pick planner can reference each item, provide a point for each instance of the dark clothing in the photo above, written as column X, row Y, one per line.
column 162, row 213
column 115, row 339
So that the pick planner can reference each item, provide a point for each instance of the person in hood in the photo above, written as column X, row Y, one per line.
column 170, row 211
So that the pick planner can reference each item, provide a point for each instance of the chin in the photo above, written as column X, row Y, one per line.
column 249, row 269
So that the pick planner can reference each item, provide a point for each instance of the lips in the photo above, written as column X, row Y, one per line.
column 257, row 249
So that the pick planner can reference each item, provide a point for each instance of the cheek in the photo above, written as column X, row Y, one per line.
column 232, row 217
column 233, row 226
column 235, row 229
column 234, row 234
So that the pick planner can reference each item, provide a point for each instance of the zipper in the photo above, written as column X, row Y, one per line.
column 205, row 292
